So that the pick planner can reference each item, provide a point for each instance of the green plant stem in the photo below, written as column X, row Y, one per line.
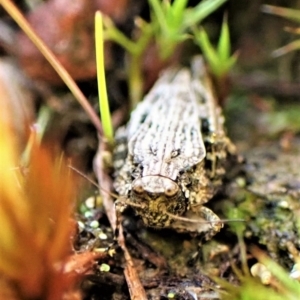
column 201, row 11
column 160, row 14
column 135, row 76
column 243, row 253
column 57, row 66
column 135, row 80
column 103, row 100
column 114, row 34
column 135, row 53
column 37, row 133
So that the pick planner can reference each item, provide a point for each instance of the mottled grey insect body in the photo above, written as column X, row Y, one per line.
column 170, row 160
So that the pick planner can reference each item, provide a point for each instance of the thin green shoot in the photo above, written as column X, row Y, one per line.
column 224, row 46
column 287, row 286
column 219, row 59
column 202, row 10
column 42, row 122
column 175, row 21
column 281, row 286
column 112, row 33
column 103, row 100
column 168, row 32
column 239, row 228
column 135, row 51
column 37, row 132
column 170, row 26
column 160, row 9
column 136, row 47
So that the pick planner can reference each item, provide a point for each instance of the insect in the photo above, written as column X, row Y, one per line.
column 169, row 159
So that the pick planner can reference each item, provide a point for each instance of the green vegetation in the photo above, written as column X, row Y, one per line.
column 220, row 59
column 280, row 286
column 37, row 133
column 176, row 20
column 170, row 25
column 103, row 100
column 271, row 281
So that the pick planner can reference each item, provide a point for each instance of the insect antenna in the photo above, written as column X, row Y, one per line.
column 202, row 222
column 119, row 203
column 115, row 196
column 130, row 203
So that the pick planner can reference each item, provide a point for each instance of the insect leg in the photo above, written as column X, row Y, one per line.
column 120, row 206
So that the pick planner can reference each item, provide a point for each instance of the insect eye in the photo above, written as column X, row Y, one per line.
column 175, row 153
column 171, row 189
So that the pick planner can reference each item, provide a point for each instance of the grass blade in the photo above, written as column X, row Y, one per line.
column 103, row 101
column 224, row 41
column 207, row 49
column 159, row 14
column 201, row 11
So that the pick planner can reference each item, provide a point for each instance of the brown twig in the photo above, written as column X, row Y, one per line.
column 148, row 253
column 135, row 287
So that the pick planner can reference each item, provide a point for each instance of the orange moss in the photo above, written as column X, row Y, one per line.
column 36, row 208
